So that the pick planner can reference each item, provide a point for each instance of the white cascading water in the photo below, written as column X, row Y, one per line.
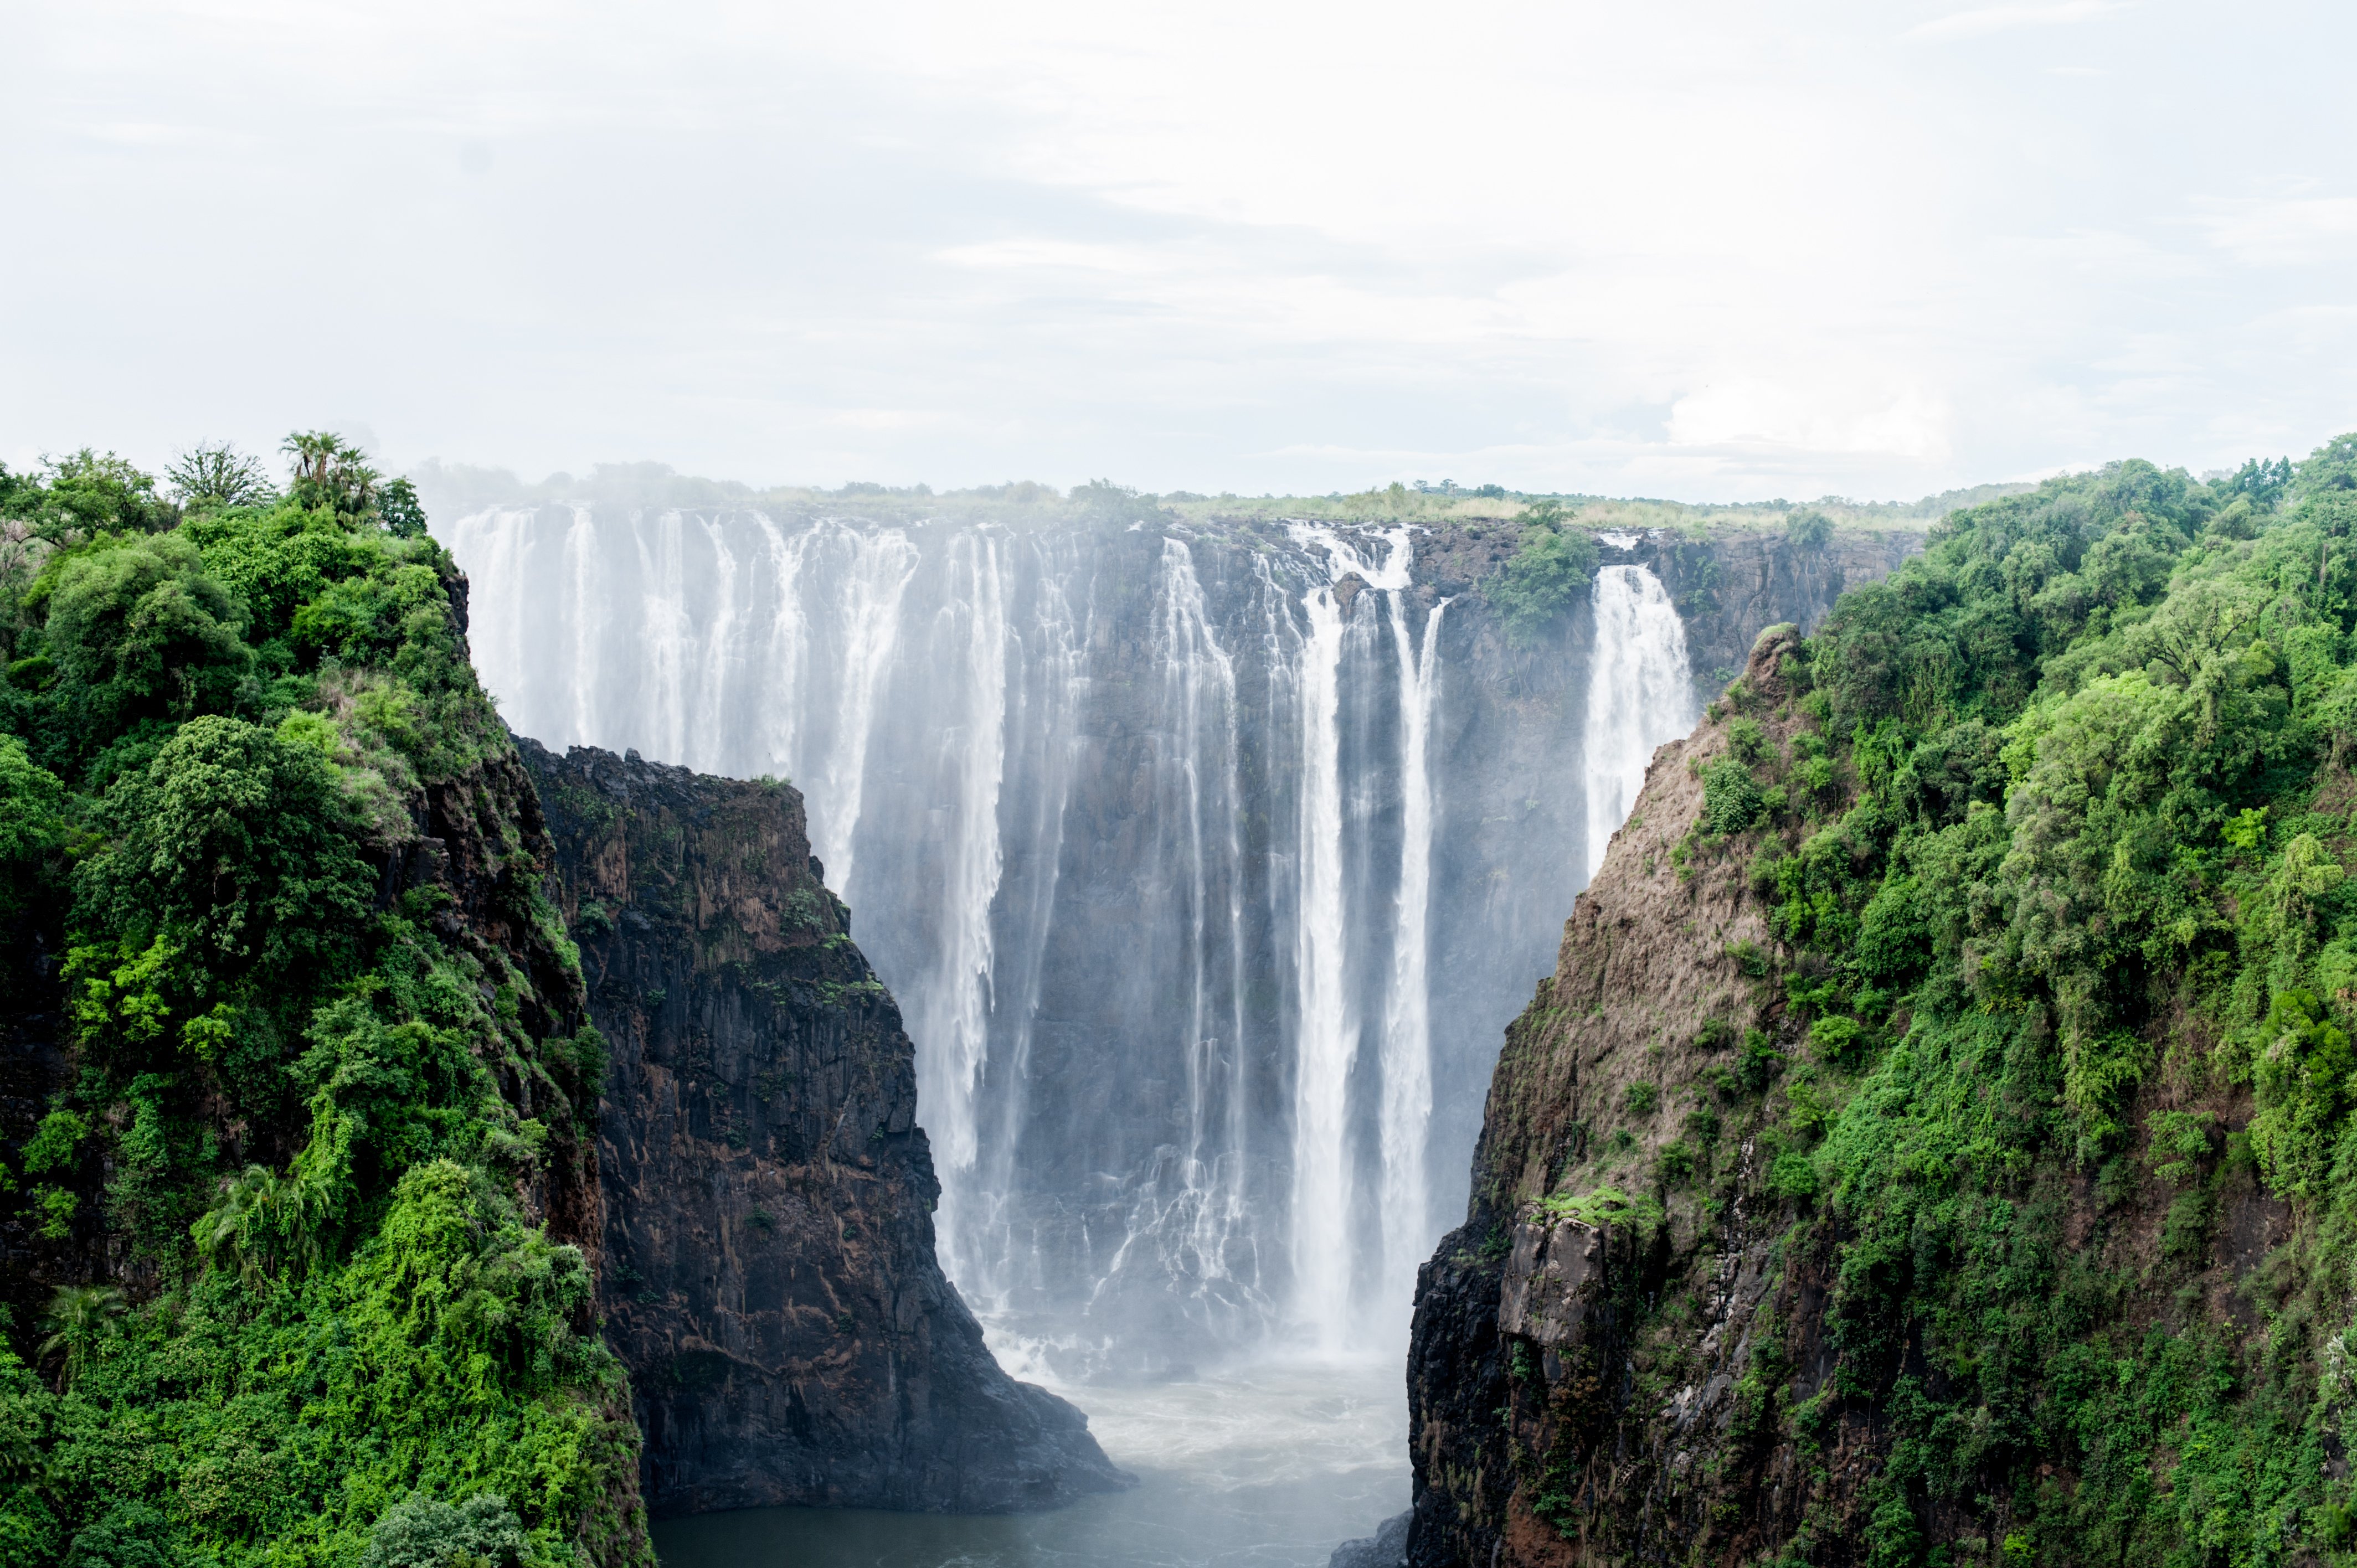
column 1407, row 1017
column 1047, row 692
column 873, row 579
column 1326, row 1199
column 1200, row 702
column 1640, row 695
column 1327, row 1039
column 1148, row 835
column 951, row 1012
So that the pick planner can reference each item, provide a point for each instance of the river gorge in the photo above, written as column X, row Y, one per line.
column 1206, row 863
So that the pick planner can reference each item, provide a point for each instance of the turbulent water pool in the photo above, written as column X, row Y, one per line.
column 1265, row 1465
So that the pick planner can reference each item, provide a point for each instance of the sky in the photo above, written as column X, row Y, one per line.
column 1709, row 251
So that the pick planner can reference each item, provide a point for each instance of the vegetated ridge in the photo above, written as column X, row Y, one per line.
column 299, row 1218
column 769, row 1276
column 458, row 488
column 1933, row 1146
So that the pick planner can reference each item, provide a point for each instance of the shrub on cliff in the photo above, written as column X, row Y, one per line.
column 1544, row 578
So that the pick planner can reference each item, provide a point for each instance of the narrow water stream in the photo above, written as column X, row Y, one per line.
column 1268, row 1465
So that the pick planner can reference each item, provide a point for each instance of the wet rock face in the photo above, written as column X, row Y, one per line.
column 1729, row 587
column 768, row 1273
column 1538, row 1436
column 1387, row 1548
column 1552, row 1271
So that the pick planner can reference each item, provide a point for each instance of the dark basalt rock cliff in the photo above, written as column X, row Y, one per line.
column 769, row 1273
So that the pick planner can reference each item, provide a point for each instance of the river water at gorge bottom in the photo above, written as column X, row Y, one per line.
column 1265, row 1465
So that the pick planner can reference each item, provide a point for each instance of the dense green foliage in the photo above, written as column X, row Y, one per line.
column 1545, row 576
column 291, row 1307
column 2054, row 839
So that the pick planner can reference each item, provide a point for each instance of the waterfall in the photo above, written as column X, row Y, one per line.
column 1206, row 881
column 1640, row 695
column 1326, row 1202
column 949, row 1010
column 1046, row 694
column 1328, row 1042
column 1199, row 708
column 873, row 573
column 1407, row 1020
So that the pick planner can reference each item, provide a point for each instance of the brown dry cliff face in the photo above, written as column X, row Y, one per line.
column 1537, row 1437
column 769, row 1273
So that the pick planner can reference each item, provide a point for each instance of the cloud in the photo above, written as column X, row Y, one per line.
column 2280, row 231
column 1988, row 19
column 1711, row 253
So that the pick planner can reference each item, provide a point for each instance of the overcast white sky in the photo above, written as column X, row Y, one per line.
column 1712, row 250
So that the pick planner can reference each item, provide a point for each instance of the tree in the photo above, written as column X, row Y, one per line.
column 397, row 504
column 233, row 845
column 140, row 630
column 1101, row 500
column 32, row 828
column 2331, row 466
column 1547, row 513
column 1545, row 576
column 227, row 1232
column 1809, row 528
column 129, row 1535
column 330, row 472
column 216, row 474
column 79, row 1317
column 2263, row 482
column 420, row 1532
column 90, row 493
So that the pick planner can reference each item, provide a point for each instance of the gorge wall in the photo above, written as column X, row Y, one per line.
column 1934, row 1144
column 769, row 1272
column 1526, row 1442
column 1207, row 859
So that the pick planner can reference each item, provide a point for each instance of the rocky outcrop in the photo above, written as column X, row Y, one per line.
column 1387, row 1548
column 1534, row 1440
column 1730, row 585
column 768, row 1274
column 1644, row 1345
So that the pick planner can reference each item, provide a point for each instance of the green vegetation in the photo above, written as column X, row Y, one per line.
column 457, row 489
column 1602, row 1206
column 1545, row 576
column 275, row 1295
column 2057, row 861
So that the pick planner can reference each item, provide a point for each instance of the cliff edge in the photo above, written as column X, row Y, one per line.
column 1933, row 1144
column 769, row 1274
column 1526, row 1445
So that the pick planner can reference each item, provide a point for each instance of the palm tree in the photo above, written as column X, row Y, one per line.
column 79, row 1317
column 246, row 1197
column 266, row 1221
column 331, row 471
